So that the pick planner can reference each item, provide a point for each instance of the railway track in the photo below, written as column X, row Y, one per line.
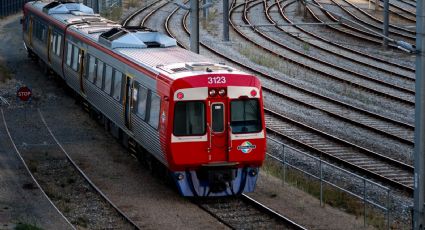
column 374, row 165
column 322, row 16
column 379, row 22
column 398, row 8
column 355, row 60
column 351, row 10
column 395, row 173
column 245, row 213
column 324, row 68
column 57, row 174
column 369, row 59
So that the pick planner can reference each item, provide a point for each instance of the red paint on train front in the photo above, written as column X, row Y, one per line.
column 209, row 146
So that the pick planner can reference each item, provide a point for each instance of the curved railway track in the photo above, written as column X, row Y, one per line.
column 395, row 32
column 311, row 36
column 357, row 58
column 382, row 168
column 53, row 146
column 400, row 11
column 281, row 44
column 336, row 72
column 322, row 16
column 379, row 22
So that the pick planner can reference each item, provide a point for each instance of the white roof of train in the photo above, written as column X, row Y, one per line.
column 169, row 59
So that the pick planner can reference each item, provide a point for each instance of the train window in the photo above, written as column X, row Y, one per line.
column 217, row 117
column 58, row 44
column 245, row 116
column 53, row 43
column 99, row 75
column 76, row 58
column 108, row 79
column 43, row 33
column 155, row 106
column 68, row 54
column 140, row 106
column 189, row 118
column 117, row 85
column 36, row 29
column 92, row 69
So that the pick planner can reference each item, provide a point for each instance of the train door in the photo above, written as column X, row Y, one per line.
column 218, row 129
column 128, row 92
column 49, row 44
column 31, row 27
column 82, row 71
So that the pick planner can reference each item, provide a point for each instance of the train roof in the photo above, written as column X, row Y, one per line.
column 150, row 49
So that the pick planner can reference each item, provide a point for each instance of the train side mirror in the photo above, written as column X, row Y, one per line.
column 21, row 21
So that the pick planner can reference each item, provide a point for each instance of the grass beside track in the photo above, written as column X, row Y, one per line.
column 331, row 196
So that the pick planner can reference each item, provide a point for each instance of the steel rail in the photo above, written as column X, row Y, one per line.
column 383, row 69
column 362, row 76
column 364, row 35
column 250, row 212
column 403, row 14
column 127, row 20
column 376, row 19
column 335, row 77
column 395, row 173
column 31, row 174
column 81, row 172
column 318, row 37
column 395, row 32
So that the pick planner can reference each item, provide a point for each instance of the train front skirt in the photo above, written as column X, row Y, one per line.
column 216, row 183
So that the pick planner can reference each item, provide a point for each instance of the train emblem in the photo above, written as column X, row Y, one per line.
column 246, row 147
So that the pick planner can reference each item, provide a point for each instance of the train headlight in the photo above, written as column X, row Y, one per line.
column 179, row 176
column 253, row 172
column 180, row 95
column 212, row 93
column 222, row 92
column 253, row 93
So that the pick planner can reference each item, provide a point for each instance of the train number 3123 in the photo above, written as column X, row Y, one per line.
column 217, row 80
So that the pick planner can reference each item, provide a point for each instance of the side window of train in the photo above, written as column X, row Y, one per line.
column 75, row 58
column 68, row 53
column 43, row 32
column 140, row 101
column 155, row 106
column 36, row 29
column 57, row 44
column 108, row 79
column 117, row 85
column 92, row 69
column 53, row 42
column 99, row 75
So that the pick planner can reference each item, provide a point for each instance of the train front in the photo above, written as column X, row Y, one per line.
column 217, row 132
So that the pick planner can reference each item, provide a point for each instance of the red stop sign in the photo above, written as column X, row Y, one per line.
column 24, row 93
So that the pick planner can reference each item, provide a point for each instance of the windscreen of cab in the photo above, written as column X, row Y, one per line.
column 245, row 116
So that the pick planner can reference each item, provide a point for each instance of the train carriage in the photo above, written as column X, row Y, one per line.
column 202, row 120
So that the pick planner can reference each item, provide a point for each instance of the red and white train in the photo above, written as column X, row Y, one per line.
column 204, row 121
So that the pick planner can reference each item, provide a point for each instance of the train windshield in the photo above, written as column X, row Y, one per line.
column 189, row 118
column 245, row 116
